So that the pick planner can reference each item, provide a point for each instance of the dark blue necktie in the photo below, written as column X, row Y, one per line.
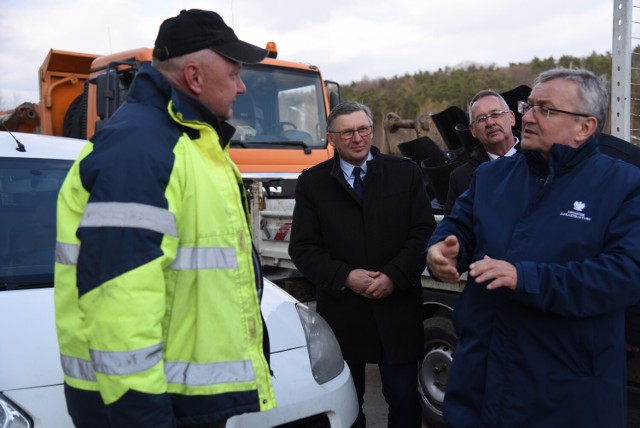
column 357, row 182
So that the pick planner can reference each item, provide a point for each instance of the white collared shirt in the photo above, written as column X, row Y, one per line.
column 511, row 151
column 347, row 169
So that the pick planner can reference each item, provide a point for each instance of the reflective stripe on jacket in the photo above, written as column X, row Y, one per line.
column 155, row 288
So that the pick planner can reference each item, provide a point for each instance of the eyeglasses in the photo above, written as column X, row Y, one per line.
column 347, row 135
column 483, row 118
column 524, row 107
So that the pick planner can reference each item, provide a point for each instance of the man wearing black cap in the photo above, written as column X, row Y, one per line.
column 157, row 284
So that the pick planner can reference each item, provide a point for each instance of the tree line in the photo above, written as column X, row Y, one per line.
column 427, row 92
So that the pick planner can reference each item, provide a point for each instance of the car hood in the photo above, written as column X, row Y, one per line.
column 30, row 355
column 283, row 323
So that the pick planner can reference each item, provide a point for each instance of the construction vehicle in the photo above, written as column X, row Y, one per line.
column 281, row 120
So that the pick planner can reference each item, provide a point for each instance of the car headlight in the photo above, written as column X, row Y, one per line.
column 324, row 351
column 11, row 416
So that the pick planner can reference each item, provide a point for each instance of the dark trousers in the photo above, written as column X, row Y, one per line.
column 400, row 390
column 87, row 410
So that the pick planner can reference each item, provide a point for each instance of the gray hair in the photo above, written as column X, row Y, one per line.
column 486, row 93
column 347, row 107
column 593, row 97
column 172, row 68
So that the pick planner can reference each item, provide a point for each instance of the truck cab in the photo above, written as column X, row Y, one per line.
column 280, row 121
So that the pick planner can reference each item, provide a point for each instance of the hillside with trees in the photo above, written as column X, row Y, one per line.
column 430, row 92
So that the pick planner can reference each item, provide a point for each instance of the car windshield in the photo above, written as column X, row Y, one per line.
column 282, row 107
column 28, row 193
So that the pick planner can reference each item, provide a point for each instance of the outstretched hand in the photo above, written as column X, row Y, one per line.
column 442, row 259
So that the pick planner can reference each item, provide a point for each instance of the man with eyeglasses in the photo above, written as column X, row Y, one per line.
column 359, row 227
column 551, row 242
column 491, row 122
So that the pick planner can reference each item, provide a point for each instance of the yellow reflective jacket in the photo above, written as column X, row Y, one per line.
column 156, row 288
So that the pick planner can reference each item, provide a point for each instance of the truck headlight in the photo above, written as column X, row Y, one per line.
column 11, row 416
column 324, row 351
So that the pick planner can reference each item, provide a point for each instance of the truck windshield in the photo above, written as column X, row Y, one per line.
column 28, row 193
column 283, row 107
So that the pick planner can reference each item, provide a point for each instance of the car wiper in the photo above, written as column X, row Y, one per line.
column 269, row 144
column 293, row 143
column 12, row 286
column 302, row 144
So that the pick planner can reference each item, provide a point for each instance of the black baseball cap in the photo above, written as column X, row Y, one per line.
column 194, row 30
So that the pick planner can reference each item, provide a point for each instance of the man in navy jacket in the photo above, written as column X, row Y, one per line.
column 551, row 241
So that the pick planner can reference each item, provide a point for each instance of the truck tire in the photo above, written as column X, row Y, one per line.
column 74, row 125
column 433, row 371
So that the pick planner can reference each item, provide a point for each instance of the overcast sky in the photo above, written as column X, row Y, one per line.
column 347, row 39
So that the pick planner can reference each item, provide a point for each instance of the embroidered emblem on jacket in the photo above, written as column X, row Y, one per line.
column 579, row 206
column 577, row 211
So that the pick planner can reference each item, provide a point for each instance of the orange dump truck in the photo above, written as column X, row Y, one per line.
column 281, row 125
column 281, row 120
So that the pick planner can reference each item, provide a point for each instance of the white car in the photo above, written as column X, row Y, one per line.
column 312, row 383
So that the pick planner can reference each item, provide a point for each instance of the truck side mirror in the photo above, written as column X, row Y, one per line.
column 333, row 89
column 107, row 93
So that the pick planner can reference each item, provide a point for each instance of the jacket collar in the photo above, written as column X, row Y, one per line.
column 478, row 155
column 372, row 164
column 561, row 157
column 153, row 88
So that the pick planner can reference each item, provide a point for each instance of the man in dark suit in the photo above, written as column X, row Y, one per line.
column 491, row 122
column 359, row 238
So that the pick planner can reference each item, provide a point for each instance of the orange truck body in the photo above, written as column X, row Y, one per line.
column 70, row 97
column 61, row 80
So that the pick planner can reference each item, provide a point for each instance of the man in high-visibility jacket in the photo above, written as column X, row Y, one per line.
column 157, row 284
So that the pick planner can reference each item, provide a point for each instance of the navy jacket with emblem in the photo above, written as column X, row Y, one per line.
column 552, row 352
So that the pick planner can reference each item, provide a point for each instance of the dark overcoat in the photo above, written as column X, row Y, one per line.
column 334, row 233
column 460, row 177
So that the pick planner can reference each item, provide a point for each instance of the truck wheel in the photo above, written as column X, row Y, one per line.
column 74, row 123
column 433, row 371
